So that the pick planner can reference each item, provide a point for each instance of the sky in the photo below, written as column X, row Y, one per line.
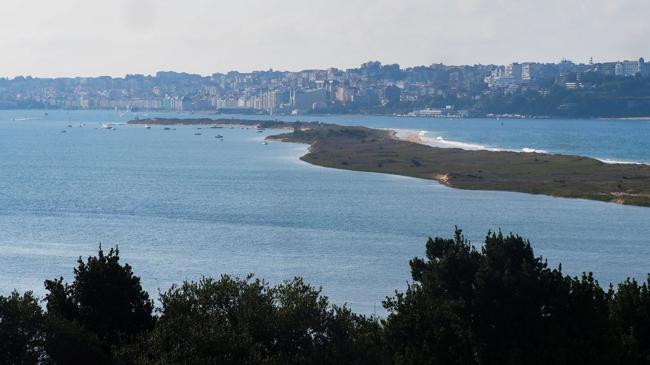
column 59, row 38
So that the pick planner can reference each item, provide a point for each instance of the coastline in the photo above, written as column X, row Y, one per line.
column 384, row 151
column 420, row 138
column 221, row 115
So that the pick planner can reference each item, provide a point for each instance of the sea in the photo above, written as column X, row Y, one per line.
column 181, row 204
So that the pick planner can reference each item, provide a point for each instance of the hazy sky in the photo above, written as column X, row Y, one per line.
column 115, row 37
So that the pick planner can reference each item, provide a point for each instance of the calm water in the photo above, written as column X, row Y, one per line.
column 181, row 206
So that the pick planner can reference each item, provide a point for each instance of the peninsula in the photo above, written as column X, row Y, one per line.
column 377, row 150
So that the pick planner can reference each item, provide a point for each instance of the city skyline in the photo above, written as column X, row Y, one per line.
column 74, row 38
column 566, row 88
column 153, row 73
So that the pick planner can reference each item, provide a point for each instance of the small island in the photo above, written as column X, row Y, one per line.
column 377, row 150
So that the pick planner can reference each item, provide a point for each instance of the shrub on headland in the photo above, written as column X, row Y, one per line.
column 495, row 305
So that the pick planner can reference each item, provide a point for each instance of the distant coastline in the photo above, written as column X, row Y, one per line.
column 226, row 115
column 381, row 151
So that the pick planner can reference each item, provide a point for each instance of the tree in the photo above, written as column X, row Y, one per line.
column 500, row 306
column 497, row 305
column 105, row 299
column 630, row 311
column 431, row 322
column 21, row 329
column 245, row 321
column 212, row 321
column 68, row 343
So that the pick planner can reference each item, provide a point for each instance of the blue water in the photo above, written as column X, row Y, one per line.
column 613, row 140
column 181, row 206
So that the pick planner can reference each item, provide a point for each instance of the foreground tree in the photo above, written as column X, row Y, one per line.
column 105, row 304
column 502, row 305
column 244, row 321
column 630, row 312
column 21, row 329
column 495, row 305
column 430, row 322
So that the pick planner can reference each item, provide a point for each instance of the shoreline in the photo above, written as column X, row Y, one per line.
column 439, row 142
column 217, row 114
column 383, row 151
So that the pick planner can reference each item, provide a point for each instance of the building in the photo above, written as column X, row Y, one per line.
column 606, row 68
column 391, row 95
column 630, row 68
column 344, row 95
column 502, row 78
column 529, row 71
column 305, row 100
column 514, row 70
column 145, row 104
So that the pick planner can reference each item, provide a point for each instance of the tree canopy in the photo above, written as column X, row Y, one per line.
column 493, row 304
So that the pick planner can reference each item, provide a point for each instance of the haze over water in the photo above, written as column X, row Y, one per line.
column 181, row 206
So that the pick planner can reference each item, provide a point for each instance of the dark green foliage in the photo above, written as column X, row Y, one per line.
column 352, row 339
column 430, row 322
column 68, row 343
column 105, row 304
column 234, row 321
column 630, row 311
column 211, row 322
column 496, row 305
column 21, row 329
column 500, row 306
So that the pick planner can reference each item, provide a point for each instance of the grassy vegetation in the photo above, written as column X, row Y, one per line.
column 374, row 150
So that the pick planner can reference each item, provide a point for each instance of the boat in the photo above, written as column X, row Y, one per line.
column 166, row 128
column 218, row 136
column 106, row 126
column 69, row 125
column 63, row 131
column 147, row 126
column 265, row 143
column 197, row 134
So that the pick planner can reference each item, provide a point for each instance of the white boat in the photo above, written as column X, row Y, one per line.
column 106, row 126
column 147, row 126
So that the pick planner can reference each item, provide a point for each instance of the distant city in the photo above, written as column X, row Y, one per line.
column 607, row 89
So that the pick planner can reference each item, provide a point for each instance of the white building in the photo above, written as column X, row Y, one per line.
column 630, row 68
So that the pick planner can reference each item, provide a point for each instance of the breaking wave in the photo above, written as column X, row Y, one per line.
column 441, row 142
